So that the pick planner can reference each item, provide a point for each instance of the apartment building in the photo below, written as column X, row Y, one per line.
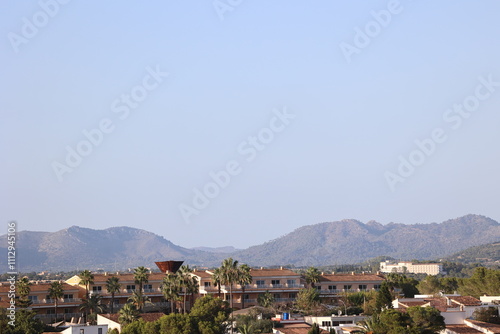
column 334, row 285
column 409, row 267
column 43, row 305
column 282, row 283
column 152, row 288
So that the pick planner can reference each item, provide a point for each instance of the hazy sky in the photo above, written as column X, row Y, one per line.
column 234, row 122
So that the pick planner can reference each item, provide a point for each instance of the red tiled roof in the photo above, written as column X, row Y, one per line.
column 272, row 272
column 126, row 277
column 466, row 300
column 351, row 278
column 493, row 328
column 462, row 329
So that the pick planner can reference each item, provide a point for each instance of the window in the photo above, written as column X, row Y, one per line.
column 276, row 295
column 207, row 284
column 376, row 286
column 97, row 288
column 68, row 296
column 290, row 282
column 318, row 287
column 347, row 287
column 362, row 287
column 51, row 311
column 326, row 324
column 332, row 287
column 82, row 331
column 148, row 287
column 117, row 302
column 99, row 331
column 67, row 310
column 246, row 297
column 260, row 283
column 292, row 295
column 275, row 282
column 34, row 299
column 130, row 288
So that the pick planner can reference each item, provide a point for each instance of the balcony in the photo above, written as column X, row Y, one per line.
column 59, row 301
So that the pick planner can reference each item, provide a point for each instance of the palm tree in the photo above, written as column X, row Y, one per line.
column 141, row 276
column 192, row 288
column 86, row 279
column 23, row 287
column 244, row 278
column 229, row 271
column 184, row 274
column 217, row 278
column 312, row 276
column 170, row 289
column 113, row 286
column 56, row 291
column 128, row 314
column 139, row 300
column 92, row 304
column 265, row 300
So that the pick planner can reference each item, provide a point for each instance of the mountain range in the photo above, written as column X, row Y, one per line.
column 340, row 242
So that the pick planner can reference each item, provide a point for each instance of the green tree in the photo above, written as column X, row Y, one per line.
column 427, row 320
column 184, row 278
column 25, row 322
column 217, row 279
column 384, row 298
column 229, row 270
column 141, row 276
column 483, row 282
column 211, row 314
column 92, row 304
column 430, row 285
column 139, row 300
column 192, row 288
column 487, row 314
column 312, row 276
column 244, row 278
column 307, row 299
column 113, row 286
column 266, row 299
column 314, row 329
column 56, row 291
column 171, row 288
column 128, row 314
column 178, row 324
column 23, row 287
column 86, row 279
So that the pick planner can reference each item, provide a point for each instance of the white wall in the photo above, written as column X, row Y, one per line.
column 86, row 329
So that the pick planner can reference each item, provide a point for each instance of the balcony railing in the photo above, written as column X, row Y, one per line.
column 59, row 301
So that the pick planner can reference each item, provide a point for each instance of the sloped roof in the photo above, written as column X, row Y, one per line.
column 493, row 328
column 351, row 278
column 462, row 329
column 466, row 300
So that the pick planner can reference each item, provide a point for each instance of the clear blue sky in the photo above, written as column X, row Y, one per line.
column 230, row 70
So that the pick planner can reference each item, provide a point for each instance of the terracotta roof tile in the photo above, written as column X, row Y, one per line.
column 466, row 300
column 462, row 329
column 351, row 278
column 493, row 328
column 272, row 272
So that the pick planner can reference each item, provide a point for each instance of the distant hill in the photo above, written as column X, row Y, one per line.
column 224, row 249
column 342, row 242
column 115, row 248
column 350, row 241
column 487, row 254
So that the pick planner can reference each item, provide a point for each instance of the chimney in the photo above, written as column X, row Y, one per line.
column 333, row 272
column 281, row 268
column 105, row 273
column 322, row 273
column 352, row 273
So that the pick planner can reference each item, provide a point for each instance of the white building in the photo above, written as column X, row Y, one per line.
column 410, row 267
